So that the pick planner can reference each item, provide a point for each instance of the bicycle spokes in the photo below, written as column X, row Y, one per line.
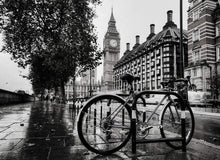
column 105, row 124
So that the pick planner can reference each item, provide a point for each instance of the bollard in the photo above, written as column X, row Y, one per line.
column 94, row 117
column 86, row 124
column 101, row 113
column 123, row 117
column 144, row 116
column 133, row 138
column 94, row 129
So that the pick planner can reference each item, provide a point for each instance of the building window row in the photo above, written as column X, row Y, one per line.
column 217, row 30
column 196, row 15
column 196, row 56
column 218, row 53
column 195, row 35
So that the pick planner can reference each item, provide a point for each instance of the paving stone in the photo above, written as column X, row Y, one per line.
column 57, row 123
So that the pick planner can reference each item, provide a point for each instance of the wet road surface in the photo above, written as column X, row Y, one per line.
column 207, row 128
column 40, row 131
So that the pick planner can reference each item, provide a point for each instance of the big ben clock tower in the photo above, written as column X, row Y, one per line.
column 111, row 47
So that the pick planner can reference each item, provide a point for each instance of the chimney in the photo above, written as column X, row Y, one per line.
column 128, row 46
column 152, row 28
column 137, row 39
column 170, row 22
column 169, row 16
column 152, row 31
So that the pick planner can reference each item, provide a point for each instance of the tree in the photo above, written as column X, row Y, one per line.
column 59, row 34
column 215, row 86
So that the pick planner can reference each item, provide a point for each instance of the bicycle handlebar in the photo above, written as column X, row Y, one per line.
column 169, row 84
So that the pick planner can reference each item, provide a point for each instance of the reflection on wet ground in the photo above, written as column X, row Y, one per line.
column 42, row 130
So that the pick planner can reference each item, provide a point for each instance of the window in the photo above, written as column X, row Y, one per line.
column 166, row 69
column 153, row 84
column 166, row 65
column 196, row 55
column 195, row 35
column 166, row 59
column 152, row 73
column 167, row 54
column 152, row 54
column 158, row 61
column 195, row 72
column 166, row 48
column 158, row 71
column 158, row 83
column 196, row 15
column 158, row 52
column 166, row 77
column 152, row 64
column 218, row 53
column 217, row 30
column 193, row 2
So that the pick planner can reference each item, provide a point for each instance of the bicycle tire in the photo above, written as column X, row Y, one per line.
column 171, row 125
column 101, row 135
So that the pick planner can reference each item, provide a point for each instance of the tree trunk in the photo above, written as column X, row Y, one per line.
column 63, row 92
column 74, row 87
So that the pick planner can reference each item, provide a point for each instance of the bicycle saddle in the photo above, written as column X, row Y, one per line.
column 129, row 78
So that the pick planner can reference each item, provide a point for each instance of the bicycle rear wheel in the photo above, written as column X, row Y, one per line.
column 104, row 124
column 171, row 123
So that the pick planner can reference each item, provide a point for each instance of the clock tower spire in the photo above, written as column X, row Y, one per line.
column 111, row 49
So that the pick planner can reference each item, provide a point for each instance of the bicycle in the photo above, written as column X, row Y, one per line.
column 104, row 123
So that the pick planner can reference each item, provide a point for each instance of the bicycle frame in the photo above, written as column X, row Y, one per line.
column 134, row 119
column 155, row 109
column 133, row 95
column 118, row 118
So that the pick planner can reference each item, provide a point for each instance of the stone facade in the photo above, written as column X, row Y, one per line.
column 83, row 86
column 111, row 49
column 203, row 42
column 157, row 59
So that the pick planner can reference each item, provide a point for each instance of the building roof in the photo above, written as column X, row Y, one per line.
column 170, row 31
column 111, row 24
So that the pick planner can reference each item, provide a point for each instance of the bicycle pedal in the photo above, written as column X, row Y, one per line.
column 149, row 127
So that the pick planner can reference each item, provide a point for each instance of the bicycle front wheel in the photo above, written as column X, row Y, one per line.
column 171, row 123
column 104, row 124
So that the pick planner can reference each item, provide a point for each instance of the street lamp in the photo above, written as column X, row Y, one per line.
column 90, row 85
column 183, row 132
column 181, row 41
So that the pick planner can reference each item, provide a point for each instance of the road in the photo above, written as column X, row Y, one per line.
column 39, row 131
column 207, row 128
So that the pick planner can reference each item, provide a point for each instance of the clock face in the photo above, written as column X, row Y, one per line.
column 113, row 42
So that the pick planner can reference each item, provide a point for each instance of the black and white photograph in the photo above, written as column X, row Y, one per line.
column 109, row 79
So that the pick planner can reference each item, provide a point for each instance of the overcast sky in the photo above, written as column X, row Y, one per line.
column 133, row 17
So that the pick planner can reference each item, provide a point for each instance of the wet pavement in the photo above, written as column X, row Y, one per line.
column 42, row 130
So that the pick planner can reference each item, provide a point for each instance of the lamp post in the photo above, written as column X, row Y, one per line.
column 90, row 84
column 183, row 125
column 211, row 79
column 181, row 41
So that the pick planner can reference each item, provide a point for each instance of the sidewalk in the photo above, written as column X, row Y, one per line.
column 205, row 113
column 45, row 131
column 196, row 150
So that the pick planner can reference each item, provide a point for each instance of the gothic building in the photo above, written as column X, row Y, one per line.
column 203, row 42
column 157, row 59
column 85, row 85
column 111, row 49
